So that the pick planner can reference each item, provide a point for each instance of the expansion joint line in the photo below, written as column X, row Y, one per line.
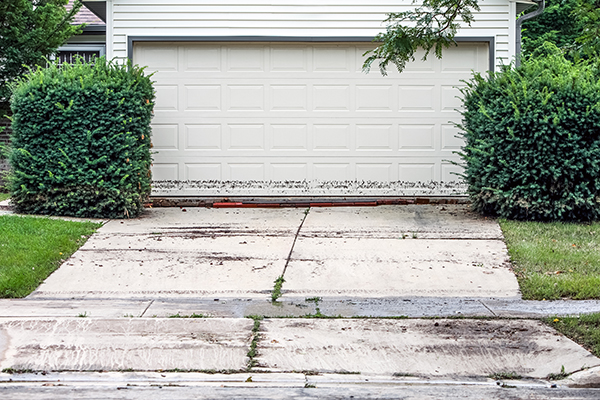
column 489, row 309
column 280, row 280
column 147, row 307
column 294, row 242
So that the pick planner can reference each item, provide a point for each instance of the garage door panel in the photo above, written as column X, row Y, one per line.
column 202, row 97
column 203, row 171
column 207, row 137
column 245, row 97
column 286, row 97
column 451, row 141
column 286, row 59
column 166, row 137
column 420, row 98
column 289, row 137
column 204, row 59
column 371, row 137
column 245, row 137
column 288, row 171
column 373, row 171
column 246, row 171
column 167, row 98
column 375, row 97
column 416, row 137
column 333, row 59
column 254, row 116
column 245, row 58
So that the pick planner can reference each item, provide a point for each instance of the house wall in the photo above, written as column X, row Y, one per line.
column 290, row 18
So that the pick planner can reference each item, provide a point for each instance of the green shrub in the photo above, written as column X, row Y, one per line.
column 532, row 139
column 81, row 140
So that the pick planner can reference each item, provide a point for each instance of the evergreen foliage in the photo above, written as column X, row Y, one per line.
column 532, row 138
column 81, row 140
column 556, row 25
column 31, row 30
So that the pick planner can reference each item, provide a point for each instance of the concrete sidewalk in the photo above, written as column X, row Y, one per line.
column 353, row 279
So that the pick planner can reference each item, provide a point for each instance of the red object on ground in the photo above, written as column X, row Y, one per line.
column 227, row 205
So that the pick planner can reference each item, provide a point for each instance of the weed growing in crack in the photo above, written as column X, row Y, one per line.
column 204, row 371
column 414, row 235
column 402, row 375
column 309, row 386
column 505, row 376
column 194, row 315
column 82, row 315
column 317, row 313
column 561, row 375
column 277, row 288
column 313, row 299
column 254, row 343
column 17, row 371
column 505, row 386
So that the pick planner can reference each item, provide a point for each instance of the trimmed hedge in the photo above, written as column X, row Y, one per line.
column 533, row 140
column 81, row 140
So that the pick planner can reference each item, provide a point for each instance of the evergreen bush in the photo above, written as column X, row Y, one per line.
column 81, row 140
column 532, row 140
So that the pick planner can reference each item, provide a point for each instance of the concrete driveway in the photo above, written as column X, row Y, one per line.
column 386, row 251
column 214, row 269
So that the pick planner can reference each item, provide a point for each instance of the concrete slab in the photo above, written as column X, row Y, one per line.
column 413, row 307
column 396, row 267
column 391, row 222
column 589, row 378
column 107, row 308
column 407, row 392
column 247, row 379
column 211, row 221
column 163, row 265
column 169, row 252
column 419, row 347
column 537, row 309
column 84, row 344
column 232, row 307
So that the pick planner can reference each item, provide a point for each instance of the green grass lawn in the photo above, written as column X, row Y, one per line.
column 583, row 329
column 4, row 196
column 555, row 260
column 31, row 248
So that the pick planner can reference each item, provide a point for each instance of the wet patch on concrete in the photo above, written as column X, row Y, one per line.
column 396, row 222
column 85, row 344
column 142, row 264
column 395, row 267
column 419, row 347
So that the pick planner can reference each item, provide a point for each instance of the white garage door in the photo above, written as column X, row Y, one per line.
column 303, row 119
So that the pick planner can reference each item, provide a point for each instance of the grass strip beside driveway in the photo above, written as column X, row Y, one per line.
column 582, row 329
column 555, row 260
column 31, row 248
column 4, row 196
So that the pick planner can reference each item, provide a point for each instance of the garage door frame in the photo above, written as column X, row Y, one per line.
column 489, row 41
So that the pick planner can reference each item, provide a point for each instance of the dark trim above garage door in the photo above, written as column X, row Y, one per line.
column 298, row 39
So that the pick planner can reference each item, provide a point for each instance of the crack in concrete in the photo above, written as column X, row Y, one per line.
column 147, row 307
column 489, row 309
column 294, row 242
column 276, row 292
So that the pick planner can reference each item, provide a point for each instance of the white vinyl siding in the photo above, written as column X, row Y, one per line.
column 272, row 18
